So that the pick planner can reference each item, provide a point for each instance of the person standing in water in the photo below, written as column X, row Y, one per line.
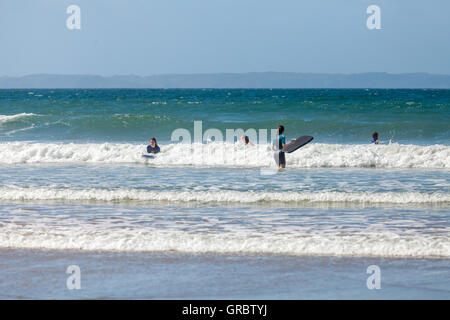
column 375, row 138
column 153, row 147
column 279, row 144
column 246, row 141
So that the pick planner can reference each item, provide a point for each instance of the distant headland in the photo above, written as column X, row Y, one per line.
column 233, row 80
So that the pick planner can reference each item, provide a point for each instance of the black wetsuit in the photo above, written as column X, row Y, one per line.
column 281, row 156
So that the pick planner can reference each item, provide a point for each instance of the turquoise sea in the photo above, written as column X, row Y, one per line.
column 216, row 219
column 130, row 116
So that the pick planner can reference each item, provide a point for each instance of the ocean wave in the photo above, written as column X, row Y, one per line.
column 135, row 239
column 4, row 118
column 223, row 196
column 316, row 155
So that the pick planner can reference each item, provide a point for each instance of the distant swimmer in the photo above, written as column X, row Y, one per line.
column 246, row 141
column 278, row 144
column 375, row 138
column 153, row 147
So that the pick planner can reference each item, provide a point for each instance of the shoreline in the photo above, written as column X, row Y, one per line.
column 207, row 276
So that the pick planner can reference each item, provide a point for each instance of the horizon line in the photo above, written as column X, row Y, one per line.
column 225, row 73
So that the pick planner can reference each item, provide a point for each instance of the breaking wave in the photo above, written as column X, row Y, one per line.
column 104, row 195
column 136, row 239
column 316, row 155
column 4, row 118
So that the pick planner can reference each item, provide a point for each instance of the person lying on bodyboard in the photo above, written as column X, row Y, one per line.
column 153, row 146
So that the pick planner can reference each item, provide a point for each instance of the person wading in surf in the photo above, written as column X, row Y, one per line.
column 246, row 141
column 153, row 147
column 375, row 138
column 279, row 144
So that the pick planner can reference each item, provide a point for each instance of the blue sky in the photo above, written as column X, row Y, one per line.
column 146, row 37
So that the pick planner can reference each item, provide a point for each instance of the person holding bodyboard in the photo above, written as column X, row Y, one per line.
column 152, row 149
column 283, row 148
column 278, row 144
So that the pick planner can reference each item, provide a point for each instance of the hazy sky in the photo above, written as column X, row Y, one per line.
column 145, row 37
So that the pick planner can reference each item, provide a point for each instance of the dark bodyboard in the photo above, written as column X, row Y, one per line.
column 297, row 143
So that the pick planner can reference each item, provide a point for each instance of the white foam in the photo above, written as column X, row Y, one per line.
column 222, row 196
column 13, row 117
column 233, row 155
column 140, row 240
column 20, row 130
